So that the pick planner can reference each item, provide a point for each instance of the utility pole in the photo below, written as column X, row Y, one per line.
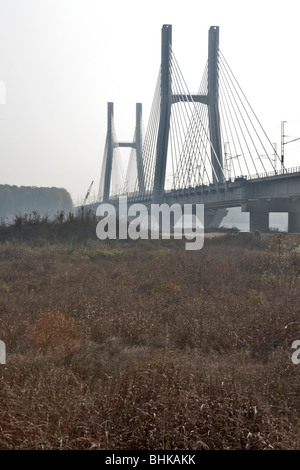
column 282, row 143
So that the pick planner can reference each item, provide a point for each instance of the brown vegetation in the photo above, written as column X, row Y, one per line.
column 143, row 345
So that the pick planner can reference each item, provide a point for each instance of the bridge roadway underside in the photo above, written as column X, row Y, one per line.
column 259, row 197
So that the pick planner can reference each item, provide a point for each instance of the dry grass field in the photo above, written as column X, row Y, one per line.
column 143, row 345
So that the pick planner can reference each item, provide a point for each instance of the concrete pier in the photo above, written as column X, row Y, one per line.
column 294, row 222
column 259, row 221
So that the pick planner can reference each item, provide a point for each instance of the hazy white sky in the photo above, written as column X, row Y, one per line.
column 63, row 60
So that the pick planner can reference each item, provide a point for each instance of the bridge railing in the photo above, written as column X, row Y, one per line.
column 283, row 171
column 134, row 197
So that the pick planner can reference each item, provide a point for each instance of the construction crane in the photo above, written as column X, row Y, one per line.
column 87, row 194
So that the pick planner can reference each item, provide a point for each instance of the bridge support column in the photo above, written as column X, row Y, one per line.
column 139, row 148
column 213, row 104
column 259, row 221
column 213, row 217
column 109, row 156
column 164, row 119
column 294, row 222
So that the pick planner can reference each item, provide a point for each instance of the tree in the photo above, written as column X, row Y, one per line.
column 23, row 200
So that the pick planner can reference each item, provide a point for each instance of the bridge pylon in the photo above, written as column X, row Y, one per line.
column 165, row 115
column 213, row 104
column 109, row 152
column 111, row 144
column 211, row 99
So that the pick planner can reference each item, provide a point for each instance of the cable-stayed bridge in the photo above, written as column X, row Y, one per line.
column 206, row 147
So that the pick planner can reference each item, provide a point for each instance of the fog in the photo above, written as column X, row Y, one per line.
column 62, row 61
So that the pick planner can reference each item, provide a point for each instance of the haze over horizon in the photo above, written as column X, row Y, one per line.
column 62, row 61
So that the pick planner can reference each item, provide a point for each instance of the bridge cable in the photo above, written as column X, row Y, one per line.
column 236, row 87
column 185, row 160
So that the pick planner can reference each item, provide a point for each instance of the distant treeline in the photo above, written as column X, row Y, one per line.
column 17, row 201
